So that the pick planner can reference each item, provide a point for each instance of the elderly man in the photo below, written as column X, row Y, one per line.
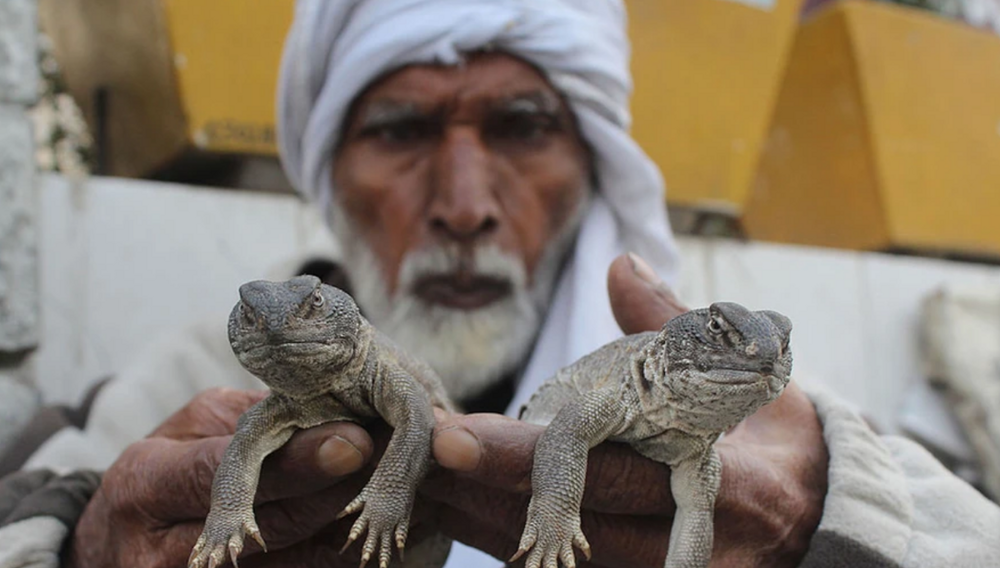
column 474, row 162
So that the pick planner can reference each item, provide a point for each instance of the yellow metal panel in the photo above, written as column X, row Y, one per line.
column 886, row 135
column 932, row 91
column 115, row 59
column 706, row 77
column 816, row 183
column 227, row 54
column 706, row 74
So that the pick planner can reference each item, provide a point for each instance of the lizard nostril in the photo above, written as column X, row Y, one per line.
column 767, row 367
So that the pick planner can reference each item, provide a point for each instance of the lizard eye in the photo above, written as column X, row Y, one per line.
column 714, row 326
column 245, row 314
column 318, row 299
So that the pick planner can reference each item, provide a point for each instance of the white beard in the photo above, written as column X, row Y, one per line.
column 470, row 349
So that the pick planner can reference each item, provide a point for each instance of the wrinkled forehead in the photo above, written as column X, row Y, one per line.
column 484, row 81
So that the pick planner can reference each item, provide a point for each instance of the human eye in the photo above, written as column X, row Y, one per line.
column 521, row 126
column 400, row 131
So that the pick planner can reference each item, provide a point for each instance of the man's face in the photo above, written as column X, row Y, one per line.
column 458, row 190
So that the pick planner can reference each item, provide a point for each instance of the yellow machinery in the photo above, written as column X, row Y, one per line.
column 869, row 126
column 157, row 79
column 707, row 74
column 196, row 74
column 886, row 135
column 226, row 57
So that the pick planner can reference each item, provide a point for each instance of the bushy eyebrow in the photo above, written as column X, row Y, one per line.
column 534, row 102
column 385, row 112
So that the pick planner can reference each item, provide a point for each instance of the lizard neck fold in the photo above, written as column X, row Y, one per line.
column 354, row 382
column 646, row 394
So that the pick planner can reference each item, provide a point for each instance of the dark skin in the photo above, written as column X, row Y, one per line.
column 483, row 154
column 153, row 501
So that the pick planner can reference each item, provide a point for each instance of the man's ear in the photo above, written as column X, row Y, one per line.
column 639, row 299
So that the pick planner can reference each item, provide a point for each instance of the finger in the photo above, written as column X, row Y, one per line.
column 774, row 468
column 497, row 451
column 490, row 448
column 639, row 299
column 313, row 457
column 172, row 480
column 787, row 433
column 770, row 423
column 210, row 413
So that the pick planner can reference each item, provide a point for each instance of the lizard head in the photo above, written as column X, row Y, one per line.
column 727, row 360
column 292, row 333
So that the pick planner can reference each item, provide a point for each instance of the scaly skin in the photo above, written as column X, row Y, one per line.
column 669, row 395
column 323, row 362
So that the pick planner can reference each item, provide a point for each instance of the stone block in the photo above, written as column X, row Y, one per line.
column 19, row 305
column 19, row 79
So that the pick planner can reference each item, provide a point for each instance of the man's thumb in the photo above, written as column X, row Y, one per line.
column 639, row 299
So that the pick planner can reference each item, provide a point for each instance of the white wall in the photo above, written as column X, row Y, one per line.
column 855, row 315
column 123, row 261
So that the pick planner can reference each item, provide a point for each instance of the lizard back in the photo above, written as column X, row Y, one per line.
column 609, row 365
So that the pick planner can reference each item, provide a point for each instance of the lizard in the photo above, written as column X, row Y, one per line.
column 669, row 395
column 323, row 362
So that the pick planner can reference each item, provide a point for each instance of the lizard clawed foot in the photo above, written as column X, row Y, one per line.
column 549, row 539
column 386, row 516
column 222, row 535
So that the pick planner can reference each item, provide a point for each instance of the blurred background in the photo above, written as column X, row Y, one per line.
column 838, row 161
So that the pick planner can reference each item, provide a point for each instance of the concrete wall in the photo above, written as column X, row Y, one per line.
column 19, row 305
column 124, row 261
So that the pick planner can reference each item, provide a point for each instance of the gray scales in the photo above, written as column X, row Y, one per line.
column 669, row 395
column 325, row 362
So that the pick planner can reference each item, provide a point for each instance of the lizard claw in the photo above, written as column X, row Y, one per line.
column 234, row 552
column 356, row 530
column 548, row 539
column 223, row 535
column 254, row 533
column 381, row 541
column 527, row 541
column 386, row 518
column 580, row 542
column 196, row 550
column 347, row 511
column 401, row 532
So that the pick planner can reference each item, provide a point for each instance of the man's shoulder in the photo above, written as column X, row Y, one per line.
column 158, row 381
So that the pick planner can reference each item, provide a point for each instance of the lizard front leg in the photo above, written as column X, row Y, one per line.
column 694, row 483
column 558, row 475
column 262, row 429
column 387, row 500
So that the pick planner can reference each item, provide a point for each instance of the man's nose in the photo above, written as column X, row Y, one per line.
column 463, row 206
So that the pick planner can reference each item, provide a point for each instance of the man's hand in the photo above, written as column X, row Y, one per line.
column 153, row 501
column 773, row 480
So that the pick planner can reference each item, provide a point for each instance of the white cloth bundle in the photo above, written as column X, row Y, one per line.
column 336, row 48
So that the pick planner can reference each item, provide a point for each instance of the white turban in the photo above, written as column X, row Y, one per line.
column 337, row 48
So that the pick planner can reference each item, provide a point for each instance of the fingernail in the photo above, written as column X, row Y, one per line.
column 457, row 449
column 337, row 456
column 643, row 270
